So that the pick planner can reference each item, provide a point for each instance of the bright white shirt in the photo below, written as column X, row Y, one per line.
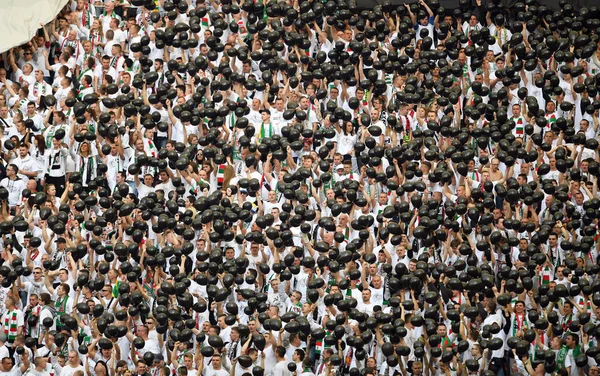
column 15, row 189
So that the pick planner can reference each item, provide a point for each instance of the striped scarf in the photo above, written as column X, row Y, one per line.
column 550, row 119
column 367, row 97
column 520, row 323
column 320, row 345
column 86, row 18
column 545, row 277
column 389, row 79
column 221, row 175
column 264, row 133
column 61, row 306
column 204, row 22
column 11, row 326
column 519, row 129
column 115, row 290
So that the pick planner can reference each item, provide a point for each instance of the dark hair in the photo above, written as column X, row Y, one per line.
column 280, row 351
column 14, row 166
column 66, row 287
column 301, row 354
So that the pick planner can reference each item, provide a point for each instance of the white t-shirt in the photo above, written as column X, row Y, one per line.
column 15, row 188
column 4, row 352
column 177, row 132
column 144, row 190
column 281, row 369
column 15, row 371
column 68, row 370
column 209, row 371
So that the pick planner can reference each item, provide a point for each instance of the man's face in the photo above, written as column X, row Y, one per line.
column 417, row 368
column 366, row 295
column 279, row 105
column 7, row 364
column 441, row 330
column 412, row 266
column 471, row 165
column 73, row 359
column 377, row 283
column 63, row 275
column 348, row 35
column 31, row 185
column 374, row 115
column 265, row 117
column 304, row 103
column 519, row 307
column 516, row 110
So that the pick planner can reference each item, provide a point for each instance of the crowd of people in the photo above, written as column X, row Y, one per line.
column 301, row 188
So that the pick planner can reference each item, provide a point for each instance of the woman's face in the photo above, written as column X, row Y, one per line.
column 52, row 190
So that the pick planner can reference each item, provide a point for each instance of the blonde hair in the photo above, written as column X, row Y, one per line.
column 229, row 173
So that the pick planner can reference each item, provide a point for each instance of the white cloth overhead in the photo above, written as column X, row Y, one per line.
column 20, row 19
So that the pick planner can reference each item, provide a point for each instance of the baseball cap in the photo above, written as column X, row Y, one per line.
column 339, row 167
column 60, row 240
column 3, row 337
